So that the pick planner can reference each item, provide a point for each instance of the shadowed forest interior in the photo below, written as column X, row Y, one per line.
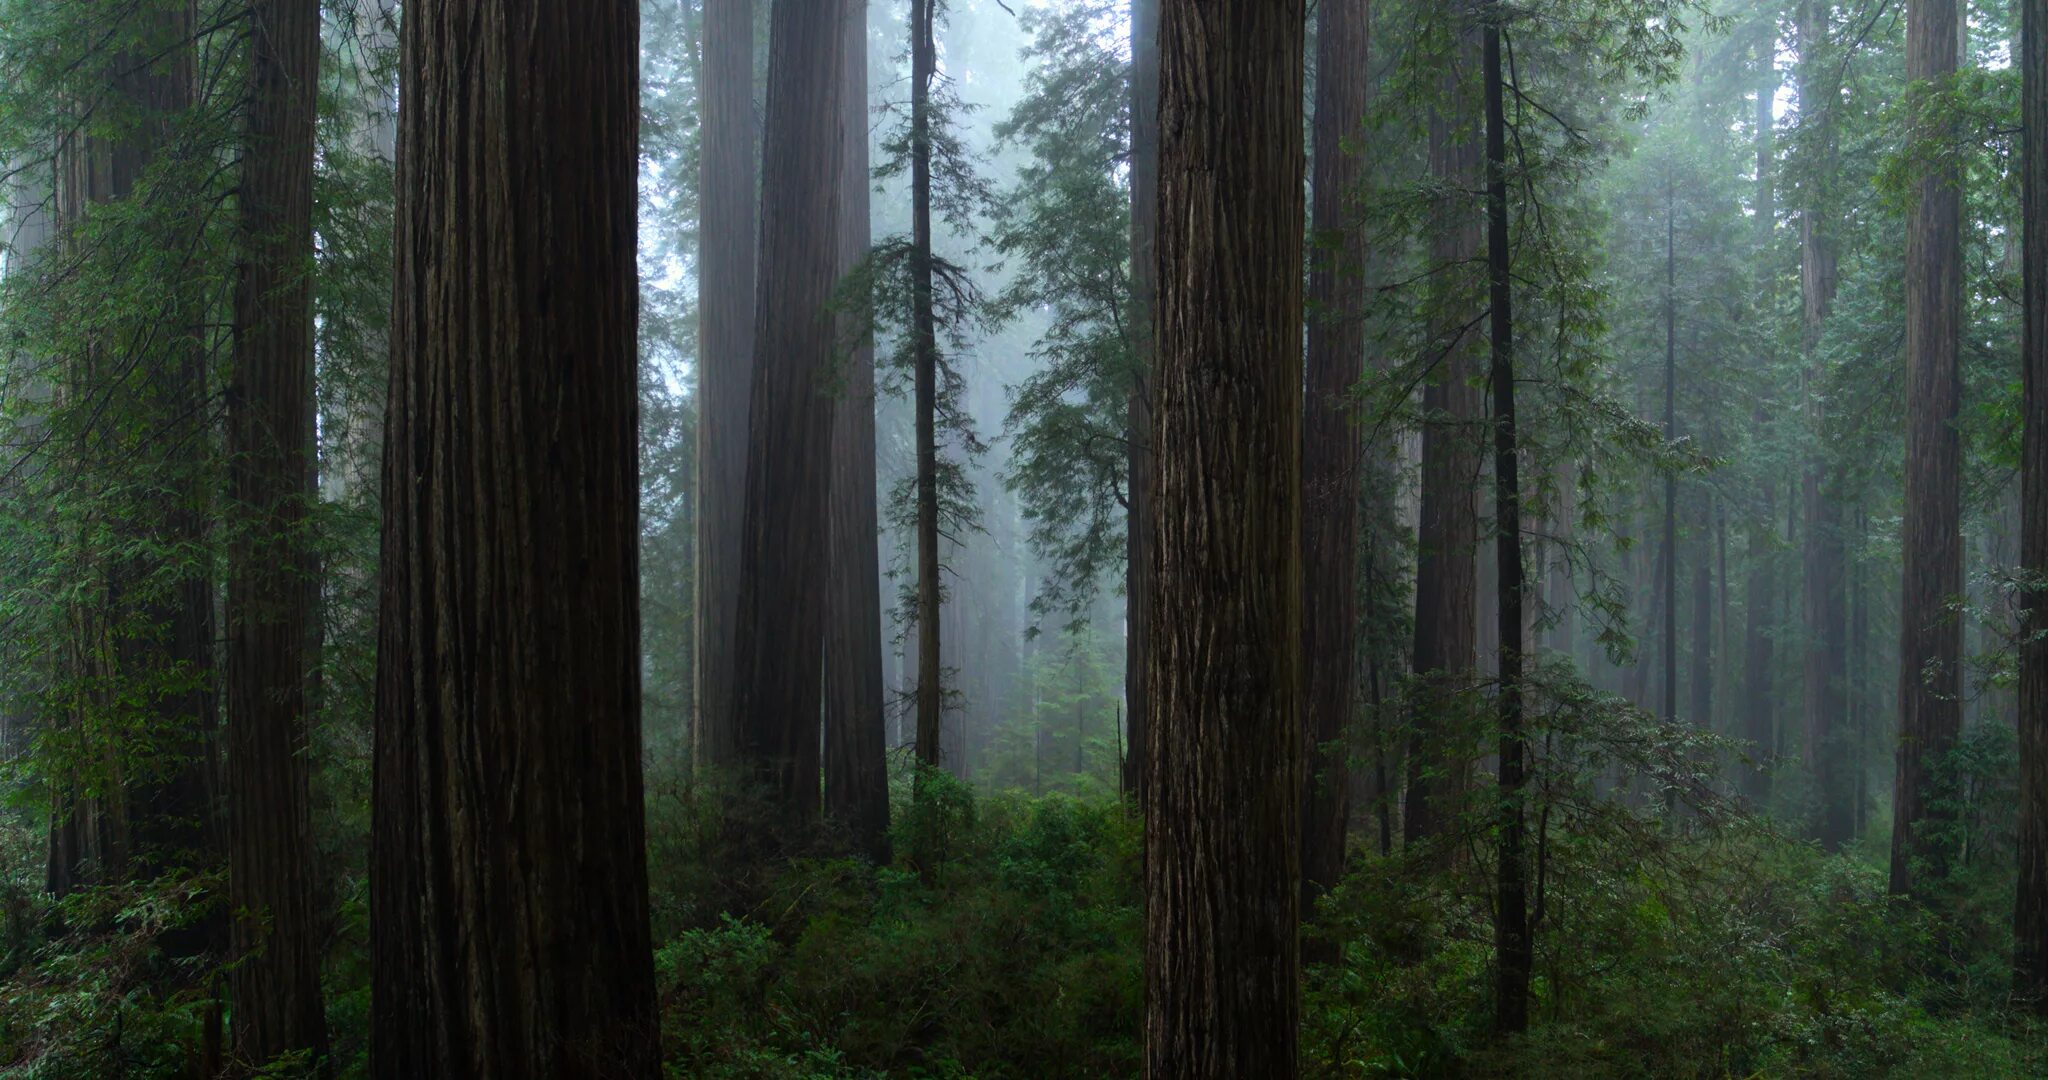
column 804, row 539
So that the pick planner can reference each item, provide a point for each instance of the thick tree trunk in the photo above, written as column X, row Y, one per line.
column 778, row 665
column 931, row 691
column 271, row 587
column 1447, row 530
column 856, row 763
column 1223, row 794
column 1138, row 434
column 1513, row 947
column 140, row 827
column 725, row 360
column 509, row 933
column 1332, row 447
column 1930, row 636
column 2030, row 913
column 1822, row 596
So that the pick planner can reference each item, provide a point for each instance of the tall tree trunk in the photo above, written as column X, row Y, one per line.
column 1511, row 930
column 1332, row 447
column 1823, row 599
column 1759, row 662
column 778, row 664
column 2030, row 913
column 1223, row 794
column 1138, row 434
column 141, row 827
column 1667, row 584
column 1700, row 682
column 931, row 691
column 1930, row 636
column 271, row 581
column 1447, row 530
column 725, row 359
column 509, row 933
column 856, row 764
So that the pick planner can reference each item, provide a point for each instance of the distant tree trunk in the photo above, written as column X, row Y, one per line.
column 1823, row 600
column 1144, row 288
column 2030, row 913
column 1930, row 636
column 509, row 934
column 725, row 359
column 1701, row 680
column 778, row 663
column 1667, row 583
column 1222, row 893
column 925, row 377
column 1447, row 531
column 1759, row 660
column 1511, row 931
column 271, row 586
column 134, row 826
column 1332, row 447
column 856, row 764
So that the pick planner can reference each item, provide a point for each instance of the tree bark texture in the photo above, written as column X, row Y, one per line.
column 1332, row 442
column 1447, row 531
column 1144, row 294
column 272, row 579
column 1223, row 803
column 1759, row 662
column 2030, row 913
column 856, row 746
column 509, row 932
column 1930, row 635
column 725, row 360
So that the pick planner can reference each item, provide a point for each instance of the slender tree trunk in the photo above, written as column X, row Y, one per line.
column 1222, row 968
column 2030, row 913
column 925, row 364
column 1332, row 447
column 1759, row 720
column 856, row 764
column 1447, row 529
column 1701, row 680
column 785, row 532
column 1930, row 636
column 725, row 352
column 1512, row 943
column 1667, row 583
column 509, row 933
column 1144, row 288
column 271, row 586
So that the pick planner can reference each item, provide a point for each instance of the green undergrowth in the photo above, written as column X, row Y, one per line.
column 1014, row 950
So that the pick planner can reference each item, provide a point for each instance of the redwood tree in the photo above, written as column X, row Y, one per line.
column 271, row 582
column 509, row 920
column 856, row 765
column 1223, row 788
column 1930, row 636
column 1332, row 446
column 924, row 345
column 1447, row 529
column 725, row 356
column 785, row 545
